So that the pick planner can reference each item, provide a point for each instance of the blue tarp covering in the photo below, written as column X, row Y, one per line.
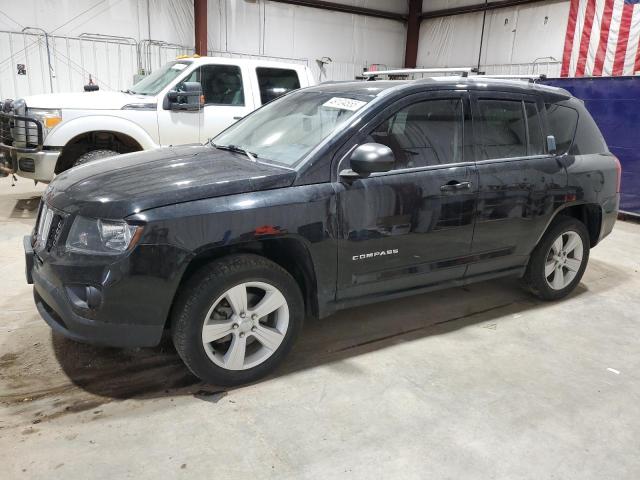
column 614, row 103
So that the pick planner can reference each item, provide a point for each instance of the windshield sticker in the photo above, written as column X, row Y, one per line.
column 179, row 66
column 344, row 103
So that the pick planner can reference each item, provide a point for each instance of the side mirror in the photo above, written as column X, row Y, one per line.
column 551, row 145
column 370, row 158
column 189, row 97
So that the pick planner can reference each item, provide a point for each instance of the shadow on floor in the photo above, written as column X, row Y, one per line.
column 26, row 208
column 159, row 372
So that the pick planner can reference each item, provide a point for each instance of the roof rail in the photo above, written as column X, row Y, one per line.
column 529, row 78
column 463, row 71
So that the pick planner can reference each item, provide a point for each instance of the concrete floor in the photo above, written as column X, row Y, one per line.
column 479, row 382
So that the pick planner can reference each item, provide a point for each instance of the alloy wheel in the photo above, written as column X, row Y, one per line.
column 245, row 325
column 564, row 260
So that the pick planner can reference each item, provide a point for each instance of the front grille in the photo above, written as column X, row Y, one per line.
column 17, row 131
column 48, row 228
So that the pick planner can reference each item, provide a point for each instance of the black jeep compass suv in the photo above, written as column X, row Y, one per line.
column 328, row 197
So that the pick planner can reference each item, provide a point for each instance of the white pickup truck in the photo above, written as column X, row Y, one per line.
column 188, row 100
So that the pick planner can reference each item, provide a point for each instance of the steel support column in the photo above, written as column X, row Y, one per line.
column 200, row 22
column 413, row 33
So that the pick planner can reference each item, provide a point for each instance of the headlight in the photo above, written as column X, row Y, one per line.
column 49, row 117
column 89, row 235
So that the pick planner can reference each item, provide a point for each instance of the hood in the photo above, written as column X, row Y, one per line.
column 86, row 100
column 119, row 186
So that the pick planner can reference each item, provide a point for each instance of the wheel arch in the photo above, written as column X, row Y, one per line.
column 289, row 253
column 69, row 134
column 103, row 139
column 588, row 213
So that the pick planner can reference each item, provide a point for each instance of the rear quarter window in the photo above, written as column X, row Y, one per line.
column 588, row 137
column 575, row 130
column 274, row 82
column 562, row 124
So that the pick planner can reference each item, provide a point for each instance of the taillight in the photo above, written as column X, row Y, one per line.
column 619, row 173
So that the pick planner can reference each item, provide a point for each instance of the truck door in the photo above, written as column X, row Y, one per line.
column 412, row 226
column 227, row 97
column 177, row 127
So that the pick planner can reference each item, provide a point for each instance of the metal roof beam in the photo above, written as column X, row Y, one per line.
column 338, row 7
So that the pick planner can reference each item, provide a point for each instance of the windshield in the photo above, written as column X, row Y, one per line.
column 159, row 79
column 287, row 129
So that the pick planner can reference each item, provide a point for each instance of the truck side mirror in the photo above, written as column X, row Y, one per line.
column 369, row 158
column 187, row 97
column 551, row 145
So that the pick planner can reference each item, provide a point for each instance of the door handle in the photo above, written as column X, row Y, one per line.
column 455, row 186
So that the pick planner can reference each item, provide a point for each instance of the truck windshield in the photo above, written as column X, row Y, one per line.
column 159, row 79
column 286, row 130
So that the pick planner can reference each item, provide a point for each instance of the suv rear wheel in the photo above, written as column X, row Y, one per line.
column 559, row 260
column 236, row 319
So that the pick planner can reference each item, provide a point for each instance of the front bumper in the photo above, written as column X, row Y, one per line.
column 39, row 166
column 120, row 321
column 22, row 143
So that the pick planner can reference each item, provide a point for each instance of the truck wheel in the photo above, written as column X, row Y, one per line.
column 93, row 155
column 236, row 318
column 559, row 260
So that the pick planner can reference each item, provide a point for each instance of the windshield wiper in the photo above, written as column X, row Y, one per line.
column 128, row 91
column 234, row 148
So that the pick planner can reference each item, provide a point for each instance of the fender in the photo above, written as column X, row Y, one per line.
column 291, row 252
column 66, row 131
column 564, row 207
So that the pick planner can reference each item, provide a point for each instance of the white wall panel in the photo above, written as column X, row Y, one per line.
column 541, row 31
column 171, row 21
column 237, row 28
column 450, row 41
column 499, row 35
column 514, row 37
column 263, row 27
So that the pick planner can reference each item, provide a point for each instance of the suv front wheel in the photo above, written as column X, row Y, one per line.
column 236, row 319
column 559, row 260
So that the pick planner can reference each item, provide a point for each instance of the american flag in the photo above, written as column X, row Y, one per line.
column 603, row 38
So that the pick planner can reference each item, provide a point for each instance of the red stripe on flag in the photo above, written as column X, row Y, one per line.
column 586, row 37
column 604, row 38
column 623, row 39
column 568, row 40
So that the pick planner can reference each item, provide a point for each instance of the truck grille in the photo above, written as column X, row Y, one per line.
column 48, row 228
column 17, row 131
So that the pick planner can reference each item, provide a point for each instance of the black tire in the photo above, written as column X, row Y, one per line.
column 196, row 298
column 93, row 155
column 535, row 279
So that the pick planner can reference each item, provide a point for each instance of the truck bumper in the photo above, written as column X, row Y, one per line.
column 37, row 166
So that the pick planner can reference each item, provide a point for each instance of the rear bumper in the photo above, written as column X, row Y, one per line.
column 609, row 215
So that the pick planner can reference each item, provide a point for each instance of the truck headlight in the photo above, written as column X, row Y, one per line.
column 49, row 117
column 103, row 237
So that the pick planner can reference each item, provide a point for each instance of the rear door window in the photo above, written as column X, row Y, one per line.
column 502, row 129
column 274, row 82
column 562, row 124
